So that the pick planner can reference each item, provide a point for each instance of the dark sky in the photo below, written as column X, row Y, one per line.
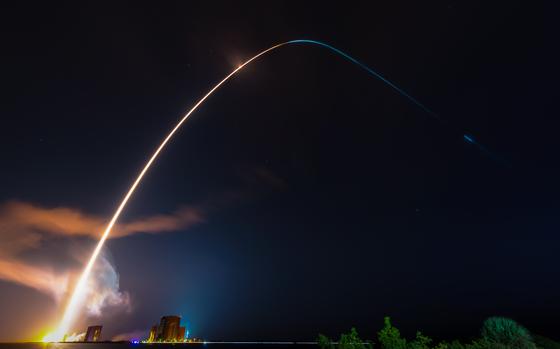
column 329, row 200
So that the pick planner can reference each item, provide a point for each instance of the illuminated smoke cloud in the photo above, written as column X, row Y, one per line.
column 103, row 289
column 76, row 337
column 29, row 222
column 42, row 279
column 26, row 227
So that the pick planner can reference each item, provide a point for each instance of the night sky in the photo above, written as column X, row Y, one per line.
column 307, row 196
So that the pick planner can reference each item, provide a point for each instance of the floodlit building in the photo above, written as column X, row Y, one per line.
column 181, row 334
column 168, row 330
column 93, row 334
column 153, row 334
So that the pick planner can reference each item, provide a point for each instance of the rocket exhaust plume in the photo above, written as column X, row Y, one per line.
column 77, row 298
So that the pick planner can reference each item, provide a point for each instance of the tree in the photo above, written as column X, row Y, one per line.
column 499, row 331
column 455, row 345
column 351, row 340
column 442, row 345
column 390, row 337
column 324, row 342
column 420, row 342
column 546, row 343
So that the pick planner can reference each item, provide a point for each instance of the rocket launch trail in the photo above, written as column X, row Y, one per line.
column 77, row 298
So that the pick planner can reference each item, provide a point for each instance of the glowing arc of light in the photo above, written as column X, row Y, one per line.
column 72, row 306
column 79, row 290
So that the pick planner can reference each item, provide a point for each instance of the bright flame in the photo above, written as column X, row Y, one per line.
column 49, row 338
column 77, row 298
